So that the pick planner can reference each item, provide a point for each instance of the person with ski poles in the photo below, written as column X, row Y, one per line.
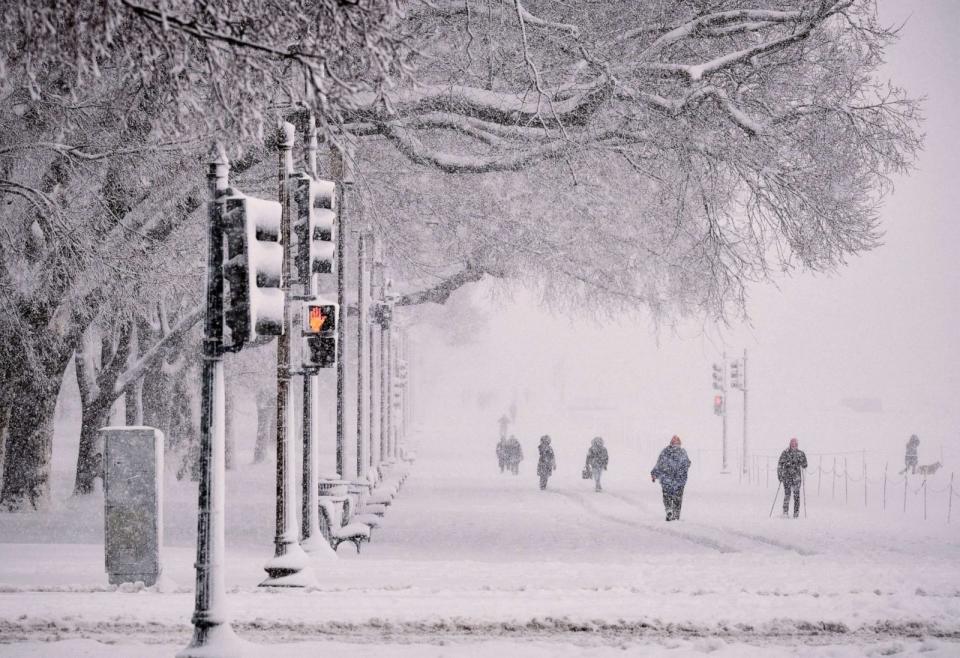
column 790, row 473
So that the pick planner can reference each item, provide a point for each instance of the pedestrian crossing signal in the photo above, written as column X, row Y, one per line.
column 320, row 335
column 718, row 405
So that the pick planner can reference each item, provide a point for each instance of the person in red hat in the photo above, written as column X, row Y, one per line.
column 790, row 473
column 671, row 470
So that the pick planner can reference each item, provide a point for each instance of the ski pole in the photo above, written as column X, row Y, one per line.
column 803, row 488
column 774, row 504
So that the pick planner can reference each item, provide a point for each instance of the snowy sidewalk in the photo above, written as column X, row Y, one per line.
column 471, row 562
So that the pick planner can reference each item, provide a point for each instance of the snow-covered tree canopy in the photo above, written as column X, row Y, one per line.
column 669, row 152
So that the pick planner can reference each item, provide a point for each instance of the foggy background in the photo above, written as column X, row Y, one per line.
column 856, row 360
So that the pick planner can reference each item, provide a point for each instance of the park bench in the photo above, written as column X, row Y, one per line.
column 335, row 530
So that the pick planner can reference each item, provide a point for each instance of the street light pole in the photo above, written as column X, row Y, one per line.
column 743, row 387
column 723, row 413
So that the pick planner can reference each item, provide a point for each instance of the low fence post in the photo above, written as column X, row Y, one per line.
column 885, row 466
column 905, row 479
column 846, row 483
column 768, row 472
column 950, row 500
column 833, row 480
column 924, row 487
column 819, row 474
column 864, row 483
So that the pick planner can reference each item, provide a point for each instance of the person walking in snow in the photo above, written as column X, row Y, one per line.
column 597, row 459
column 910, row 458
column 514, row 454
column 547, row 463
column 502, row 450
column 790, row 473
column 671, row 470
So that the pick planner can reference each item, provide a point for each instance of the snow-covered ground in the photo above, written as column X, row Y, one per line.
column 472, row 562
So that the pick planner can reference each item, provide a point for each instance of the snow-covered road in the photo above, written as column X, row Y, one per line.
column 472, row 562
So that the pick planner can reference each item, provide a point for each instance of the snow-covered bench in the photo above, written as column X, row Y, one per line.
column 334, row 529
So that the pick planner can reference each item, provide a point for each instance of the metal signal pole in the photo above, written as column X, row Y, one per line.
column 290, row 565
column 743, row 387
column 723, row 391
column 211, row 619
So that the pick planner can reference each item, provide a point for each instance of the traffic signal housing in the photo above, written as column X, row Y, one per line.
column 718, row 376
column 254, row 303
column 737, row 379
column 314, row 226
column 718, row 405
column 320, row 334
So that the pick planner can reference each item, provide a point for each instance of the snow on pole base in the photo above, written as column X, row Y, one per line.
column 218, row 641
column 292, row 569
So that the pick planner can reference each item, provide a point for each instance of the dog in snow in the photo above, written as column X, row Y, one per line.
column 929, row 469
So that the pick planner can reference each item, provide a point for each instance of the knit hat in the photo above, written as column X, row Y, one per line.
column 793, row 443
column 675, row 440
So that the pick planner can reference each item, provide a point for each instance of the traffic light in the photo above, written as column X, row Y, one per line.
column 254, row 305
column 718, row 377
column 320, row 334
column 402, row 371
column 736, row 375
column 718, row 405
column 314, row 226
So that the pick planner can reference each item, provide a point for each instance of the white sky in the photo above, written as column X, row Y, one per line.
column 883, row 327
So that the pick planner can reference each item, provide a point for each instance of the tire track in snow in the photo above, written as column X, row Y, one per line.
column 700, row 540
column 760, row 539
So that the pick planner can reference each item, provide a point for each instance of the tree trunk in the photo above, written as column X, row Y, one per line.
column 133, row 395
column 90, row 455
column 29, row 443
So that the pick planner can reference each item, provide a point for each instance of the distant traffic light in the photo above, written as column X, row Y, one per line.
column 718, row 377
column 718, row 405
column 314, row 226
column 737, row 375
column 254, row 305
column 320, row 334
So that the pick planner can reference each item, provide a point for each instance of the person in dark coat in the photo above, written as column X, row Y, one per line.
column 514, row 454
column 671, row 470
column 502, row 451
column 790, row 473
column 547, row 463
column 597, row 460
column 910, row 458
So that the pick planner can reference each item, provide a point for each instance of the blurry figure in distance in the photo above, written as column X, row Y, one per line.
column 597, row 460
column 671, row 470
column 502, row 453
column 910, row 458
column 514, row 454
column 547, row 463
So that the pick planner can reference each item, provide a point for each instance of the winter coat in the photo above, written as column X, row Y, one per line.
column 912, row 445
column 597, row 458
column 671, row 469
column 502, row 450
column 791, row 464
column 547, row 462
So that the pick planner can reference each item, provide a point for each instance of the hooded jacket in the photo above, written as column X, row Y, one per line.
column 671, row 469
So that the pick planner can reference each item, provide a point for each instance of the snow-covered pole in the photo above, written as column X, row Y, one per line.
column 336, row 158
column 211, row 619
column 290, row 566
column 362, row 347
column 743, row 388
column 724, row 467
column 371, row 354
